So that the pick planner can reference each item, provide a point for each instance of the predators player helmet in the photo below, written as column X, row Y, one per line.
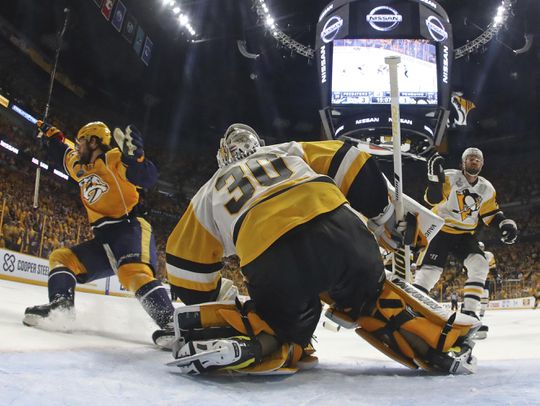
column 238, row 142
column 96, row 129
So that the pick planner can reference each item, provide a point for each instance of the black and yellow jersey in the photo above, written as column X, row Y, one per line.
column 108, row 186
column 246, row 206
column 463, row 205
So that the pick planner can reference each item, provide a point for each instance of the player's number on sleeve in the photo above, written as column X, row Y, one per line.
column 242, row 182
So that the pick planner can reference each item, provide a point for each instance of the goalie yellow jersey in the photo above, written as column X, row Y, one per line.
column 106, row 194
column 463, row 204
column 249, row 204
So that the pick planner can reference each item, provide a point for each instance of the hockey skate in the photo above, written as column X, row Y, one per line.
column 164, row 338
column 481, row 334
column 61, row 306
column 232, row 353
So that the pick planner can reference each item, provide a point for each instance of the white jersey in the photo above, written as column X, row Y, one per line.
column 463, row 204
column 223, row 201
column 247, row 205
column 491, row 260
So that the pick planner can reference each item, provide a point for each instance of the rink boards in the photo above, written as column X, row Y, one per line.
column 24, row 268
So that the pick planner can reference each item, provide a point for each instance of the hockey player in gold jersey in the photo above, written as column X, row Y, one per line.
column 109, row 180
column 462, row 198
column 292, row 214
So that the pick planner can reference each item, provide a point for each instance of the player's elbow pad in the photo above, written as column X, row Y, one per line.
column 143, row 174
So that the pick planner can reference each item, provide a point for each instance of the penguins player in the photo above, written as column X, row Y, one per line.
column 292, row 213
column 123, row 244
column 462, row 198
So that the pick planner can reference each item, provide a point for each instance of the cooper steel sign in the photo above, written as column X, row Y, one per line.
column 384, row 18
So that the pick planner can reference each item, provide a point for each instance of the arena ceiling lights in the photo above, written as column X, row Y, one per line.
column 183, row 19
column 264, row 15
column 503, row 12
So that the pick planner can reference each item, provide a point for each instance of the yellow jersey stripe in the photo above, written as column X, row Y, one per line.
column 192, row 280
column 269, row 220
column 199, row 246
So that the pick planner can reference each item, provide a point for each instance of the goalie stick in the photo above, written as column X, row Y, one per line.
column 401, row 260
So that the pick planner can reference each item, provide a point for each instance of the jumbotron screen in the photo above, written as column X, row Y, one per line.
column 360, row 75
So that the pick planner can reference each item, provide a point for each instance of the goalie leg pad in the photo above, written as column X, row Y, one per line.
column 209, row 322
column 416, row 331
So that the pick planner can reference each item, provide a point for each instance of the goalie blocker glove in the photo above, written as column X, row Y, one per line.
column 509, row 231
column 389, row 234
column 130, row 142
column 435, row 168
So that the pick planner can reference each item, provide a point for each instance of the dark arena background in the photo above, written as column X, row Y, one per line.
column 182, row 71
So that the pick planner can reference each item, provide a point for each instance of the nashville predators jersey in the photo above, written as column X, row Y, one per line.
column 106, row 193
column 247, row 205
column 463, row 204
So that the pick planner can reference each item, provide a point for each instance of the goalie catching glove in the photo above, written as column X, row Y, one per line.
column 130, row 142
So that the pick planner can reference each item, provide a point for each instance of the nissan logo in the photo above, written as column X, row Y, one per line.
column 331, row 28
column 384, row 18
column 436, row 29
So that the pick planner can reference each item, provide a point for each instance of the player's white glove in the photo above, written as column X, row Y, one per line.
column 509, row 231
column 389, row 234
column 130, row 142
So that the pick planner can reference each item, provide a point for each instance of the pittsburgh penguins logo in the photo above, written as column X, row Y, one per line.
column 9, row 263
column 469, row 203
column 92, row 188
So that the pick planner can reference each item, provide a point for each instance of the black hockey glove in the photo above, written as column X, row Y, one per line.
column 130, row 142
column 49, row 131
column 509, row 231
column 435, row 168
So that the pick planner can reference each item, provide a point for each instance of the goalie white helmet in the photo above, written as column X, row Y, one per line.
column 238, row 142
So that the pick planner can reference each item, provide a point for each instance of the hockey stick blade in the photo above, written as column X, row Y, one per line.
column 183, row 361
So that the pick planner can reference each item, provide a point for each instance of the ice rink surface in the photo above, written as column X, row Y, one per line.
column 107, row 358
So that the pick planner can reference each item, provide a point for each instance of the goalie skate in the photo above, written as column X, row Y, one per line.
column 197, row 357
column 481, row 334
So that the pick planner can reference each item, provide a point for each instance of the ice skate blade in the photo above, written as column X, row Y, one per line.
column 32, row 320
column 480, row 335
